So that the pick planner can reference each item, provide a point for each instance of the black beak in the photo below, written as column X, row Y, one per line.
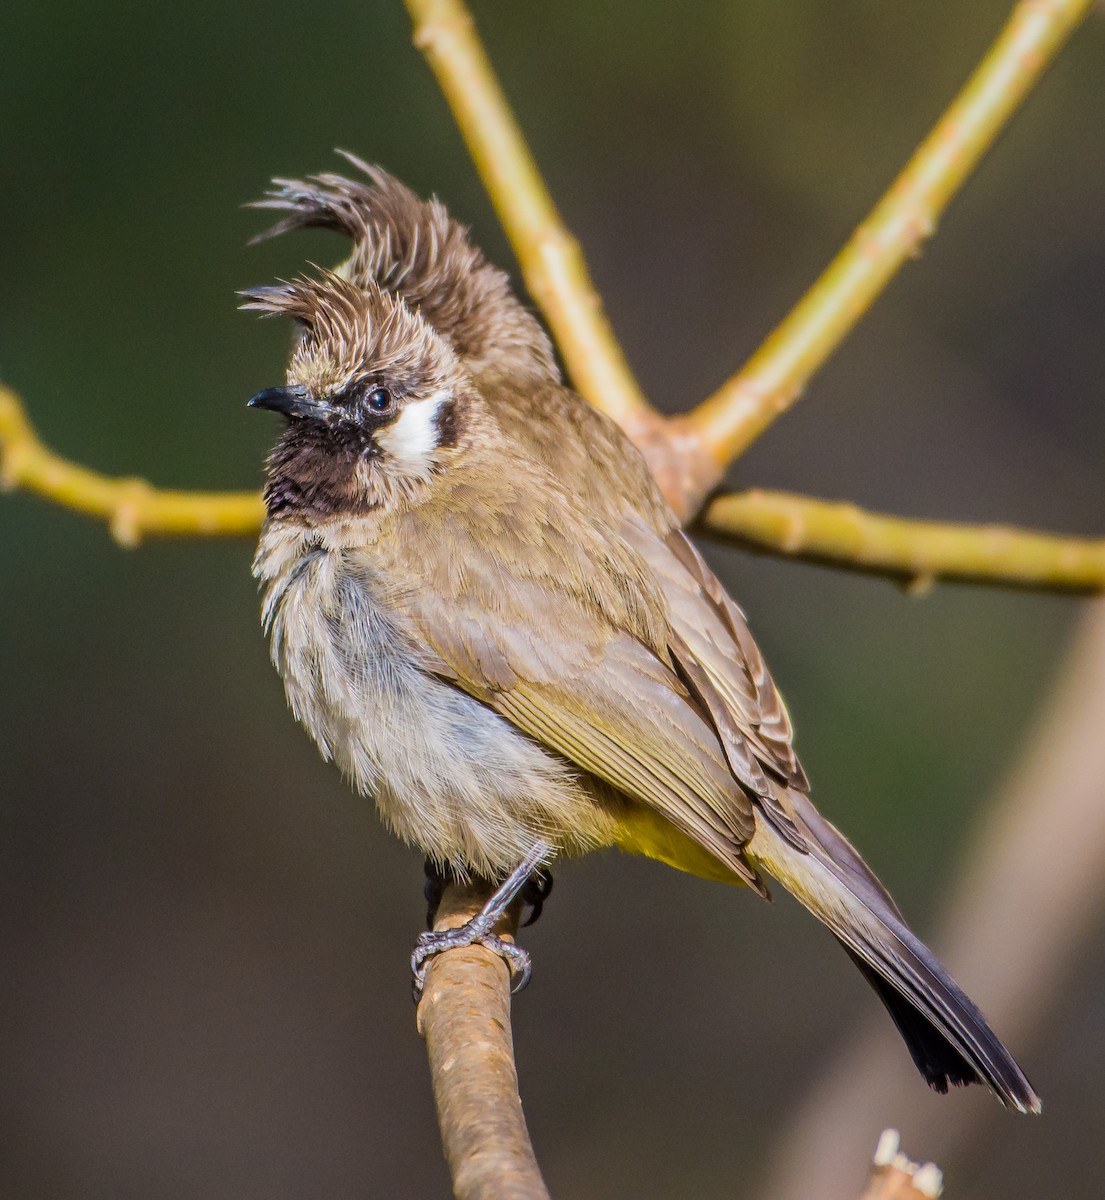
column 291, row 401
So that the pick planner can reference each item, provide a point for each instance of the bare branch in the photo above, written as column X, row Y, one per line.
column 551, row 260
column 131, row 507
column 464, row 1015
column 839, row 534
column 920, row 552
column 772, row 380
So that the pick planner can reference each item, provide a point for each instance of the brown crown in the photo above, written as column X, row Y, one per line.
column 413, row 249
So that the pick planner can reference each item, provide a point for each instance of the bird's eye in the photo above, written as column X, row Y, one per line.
column 379, row 400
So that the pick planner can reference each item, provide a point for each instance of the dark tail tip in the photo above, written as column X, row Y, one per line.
column 937, row 1059
column 941, row 1064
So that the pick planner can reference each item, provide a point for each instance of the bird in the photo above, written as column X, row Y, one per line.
column 487, row 616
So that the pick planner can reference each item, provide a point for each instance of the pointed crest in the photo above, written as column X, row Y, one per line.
column 413, row 249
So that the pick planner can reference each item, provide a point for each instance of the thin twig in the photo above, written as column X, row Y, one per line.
column 132, row 507
column 919, row 552
column 551, row 260
column 894, row 1177
column 738, row 412
column 464, row 1015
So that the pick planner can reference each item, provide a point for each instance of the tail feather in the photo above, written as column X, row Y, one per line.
column 935, row 1057
column 947, row 1036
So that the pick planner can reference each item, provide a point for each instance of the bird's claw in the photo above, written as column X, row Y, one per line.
column 435, row 942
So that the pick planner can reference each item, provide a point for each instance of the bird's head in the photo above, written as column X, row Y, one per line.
column 376, row 400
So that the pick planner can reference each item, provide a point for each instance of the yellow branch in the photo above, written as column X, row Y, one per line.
column 131, row 507
column 919, row 551
column 735, row 415
column 772, row 522
column 551, row 260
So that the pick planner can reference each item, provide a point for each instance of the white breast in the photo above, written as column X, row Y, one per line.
column 447, row 773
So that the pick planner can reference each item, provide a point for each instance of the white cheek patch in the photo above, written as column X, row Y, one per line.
column 412, row 437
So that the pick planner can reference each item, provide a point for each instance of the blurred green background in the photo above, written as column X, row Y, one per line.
column 204, row 934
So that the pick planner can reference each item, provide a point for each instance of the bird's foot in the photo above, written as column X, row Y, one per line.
column 480, row 929
column 476, row 932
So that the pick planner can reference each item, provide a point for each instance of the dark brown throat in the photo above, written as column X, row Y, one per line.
column 312, row 471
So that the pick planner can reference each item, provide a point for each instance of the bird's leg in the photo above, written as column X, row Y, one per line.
column 536, row 891
column 480, row 929
column 438, row 879
column 533, row 895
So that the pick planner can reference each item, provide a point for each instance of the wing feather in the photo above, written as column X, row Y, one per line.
column 712, row 644
column 566, row 635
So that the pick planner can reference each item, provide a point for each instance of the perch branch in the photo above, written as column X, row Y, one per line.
column 132, row 507
column 551, row 260
column 920, row 552
column 770, row 382
column 464, row 1015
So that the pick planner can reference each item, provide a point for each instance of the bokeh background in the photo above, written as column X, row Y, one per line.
column 204, row 934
